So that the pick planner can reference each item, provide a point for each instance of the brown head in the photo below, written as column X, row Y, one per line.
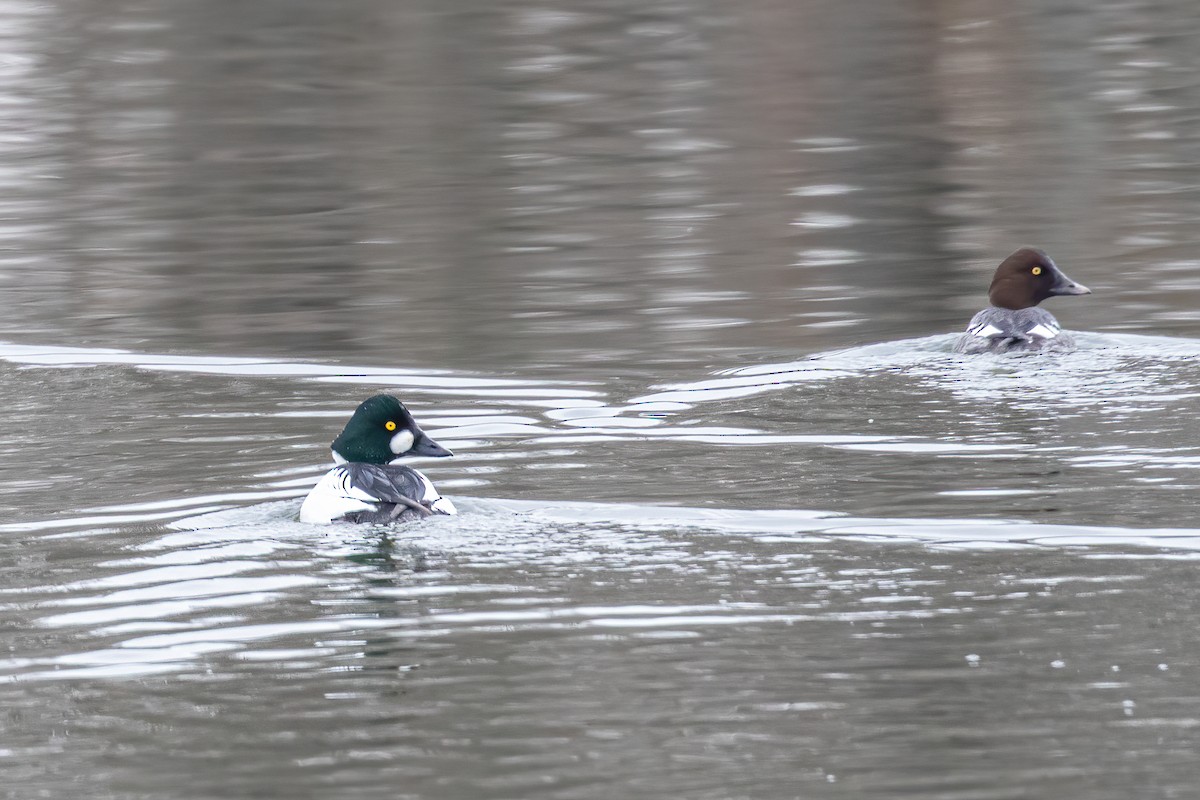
column 1028, row 277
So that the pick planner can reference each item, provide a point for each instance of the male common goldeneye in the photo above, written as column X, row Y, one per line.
column 1013, row 322
column 365, row 486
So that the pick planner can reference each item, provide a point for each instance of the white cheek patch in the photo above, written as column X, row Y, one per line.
column 402, row 442
column 1043, row 331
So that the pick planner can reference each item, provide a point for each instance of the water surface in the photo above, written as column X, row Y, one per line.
column 678, row 283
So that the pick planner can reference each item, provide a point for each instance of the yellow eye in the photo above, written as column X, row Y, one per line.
column 1036, row 271
column 391, row 426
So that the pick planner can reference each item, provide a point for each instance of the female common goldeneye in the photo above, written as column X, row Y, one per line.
column 365, row 486
column 1013, row 322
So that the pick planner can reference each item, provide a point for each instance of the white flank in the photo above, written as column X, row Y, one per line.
column 1043, row 331
column 436, row 501
column 443, row 506
column 333, row 497
column 986, row 330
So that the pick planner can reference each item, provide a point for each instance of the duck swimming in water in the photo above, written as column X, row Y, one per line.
column 1013, row 322
column 366, row 486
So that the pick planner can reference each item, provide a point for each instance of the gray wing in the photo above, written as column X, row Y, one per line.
column 391, row 483
column 1001, row 330
column 400, row 491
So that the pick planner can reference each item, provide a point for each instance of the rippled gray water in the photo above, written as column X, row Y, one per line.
column 678, row 283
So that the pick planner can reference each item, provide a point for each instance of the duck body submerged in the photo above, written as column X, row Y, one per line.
column 365, row 486
column 355, row 492
column 999, row 330
column 1013, row 322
